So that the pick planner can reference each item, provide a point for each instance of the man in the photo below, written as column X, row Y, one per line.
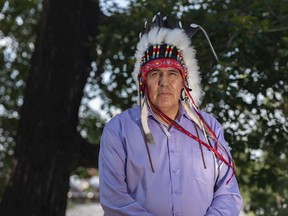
column 165, row 156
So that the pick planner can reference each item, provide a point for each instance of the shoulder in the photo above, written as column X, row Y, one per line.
column 211, row 121
column 129, row 116
column 207, row 116
column 118, row 128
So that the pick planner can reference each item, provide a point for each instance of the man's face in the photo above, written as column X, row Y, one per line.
column 164, row 87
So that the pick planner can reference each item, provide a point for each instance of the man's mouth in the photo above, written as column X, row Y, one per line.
column 164, row 93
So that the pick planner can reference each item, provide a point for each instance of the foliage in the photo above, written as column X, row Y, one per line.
column 246, row 90
column 18, row 23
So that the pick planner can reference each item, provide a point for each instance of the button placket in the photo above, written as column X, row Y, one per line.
column 175, row 171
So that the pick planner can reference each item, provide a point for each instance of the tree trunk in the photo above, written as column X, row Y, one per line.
column 48, row 145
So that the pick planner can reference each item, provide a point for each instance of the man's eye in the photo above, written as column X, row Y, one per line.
column 172, row 73
column 153, row 73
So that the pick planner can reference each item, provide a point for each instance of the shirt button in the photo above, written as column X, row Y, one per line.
column 174, row 171
column 176, row 192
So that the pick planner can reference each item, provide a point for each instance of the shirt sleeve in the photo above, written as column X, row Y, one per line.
column 227, row 199
column 114, row 195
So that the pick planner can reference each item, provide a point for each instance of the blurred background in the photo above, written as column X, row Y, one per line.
column 65, row 70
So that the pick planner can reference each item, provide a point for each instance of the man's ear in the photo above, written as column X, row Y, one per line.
column 182, row 94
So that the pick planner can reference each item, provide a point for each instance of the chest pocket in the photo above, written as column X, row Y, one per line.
column 198, row 171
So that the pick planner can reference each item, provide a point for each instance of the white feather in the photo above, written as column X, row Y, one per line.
column 160, row 36
column 191, row 114
column 178, row 38
column 144, row 122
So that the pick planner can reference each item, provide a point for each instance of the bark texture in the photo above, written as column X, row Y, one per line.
column 48, row 146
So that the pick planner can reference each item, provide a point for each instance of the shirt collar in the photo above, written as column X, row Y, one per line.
column 181, row 113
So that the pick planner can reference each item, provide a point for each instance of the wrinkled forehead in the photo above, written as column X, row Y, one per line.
column 165, row 69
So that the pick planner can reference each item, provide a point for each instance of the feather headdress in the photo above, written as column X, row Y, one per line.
column 163, row 40
column 177, row 37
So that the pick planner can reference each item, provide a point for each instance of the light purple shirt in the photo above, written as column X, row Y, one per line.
column 180, row 185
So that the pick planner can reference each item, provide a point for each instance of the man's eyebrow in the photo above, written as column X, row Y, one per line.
column 155, row 69
column 174, row 70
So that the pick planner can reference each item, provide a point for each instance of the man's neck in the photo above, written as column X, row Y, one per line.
column 172, row 115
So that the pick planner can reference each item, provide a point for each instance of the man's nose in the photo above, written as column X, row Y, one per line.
column 163, row 80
